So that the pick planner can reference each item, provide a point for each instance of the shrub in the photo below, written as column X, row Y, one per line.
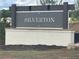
column 2, row 33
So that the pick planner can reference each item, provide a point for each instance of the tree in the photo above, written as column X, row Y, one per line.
column 60, row 2
column 77, row 4
column 5, row 14
column 75, row 13
column 0, row 14
column 48, row 2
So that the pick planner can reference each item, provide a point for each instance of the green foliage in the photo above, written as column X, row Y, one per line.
column 5, row 13
column 74, row 15
column 78, row 2
column 2, row 33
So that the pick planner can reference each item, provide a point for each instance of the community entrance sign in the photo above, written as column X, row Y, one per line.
column 39, row 19
column 54, row 16
column 45, row 17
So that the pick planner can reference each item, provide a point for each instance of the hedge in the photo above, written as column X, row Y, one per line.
column 2, row 33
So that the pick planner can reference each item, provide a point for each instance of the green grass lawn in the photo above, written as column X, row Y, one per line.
column 47, row 54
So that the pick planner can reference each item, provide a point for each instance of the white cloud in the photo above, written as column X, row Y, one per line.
column 36, row 2
column 7, row 3
column 69, row 1
column 27, row 2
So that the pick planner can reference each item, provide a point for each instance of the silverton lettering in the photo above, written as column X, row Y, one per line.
column 43, row 19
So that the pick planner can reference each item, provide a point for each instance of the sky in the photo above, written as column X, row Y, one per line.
column 7, row 3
